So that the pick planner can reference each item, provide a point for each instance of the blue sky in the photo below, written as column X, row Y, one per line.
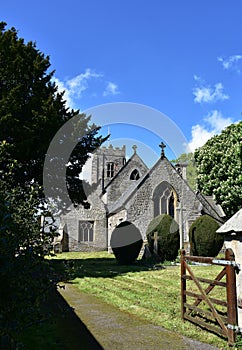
column 182, row 58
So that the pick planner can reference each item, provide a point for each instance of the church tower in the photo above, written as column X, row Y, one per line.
column 106, row 163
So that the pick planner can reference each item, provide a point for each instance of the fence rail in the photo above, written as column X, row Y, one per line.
column 210, row 318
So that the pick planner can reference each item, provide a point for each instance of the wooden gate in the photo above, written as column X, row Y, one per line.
column 212, row 313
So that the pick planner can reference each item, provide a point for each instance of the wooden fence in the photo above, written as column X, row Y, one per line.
column 212, row 313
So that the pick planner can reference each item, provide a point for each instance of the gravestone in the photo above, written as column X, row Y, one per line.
column 156, row 238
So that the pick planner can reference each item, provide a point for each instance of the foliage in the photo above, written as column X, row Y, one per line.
column 126, row 243
column 219, row 165
column 24, row 272
column 203, row 238
column 32, row 111
column 168, row 236
column 188, row 159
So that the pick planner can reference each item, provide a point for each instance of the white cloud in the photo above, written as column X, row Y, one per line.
column 79, row 83
column 208, row 94
column 67, row 94
column 86, row 173
column 230, row 62
column 214, row 124
column 217, row 122
column 75, row 87
column 198, row 79
column 111, row 89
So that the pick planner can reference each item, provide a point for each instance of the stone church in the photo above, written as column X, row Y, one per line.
column 127, row 190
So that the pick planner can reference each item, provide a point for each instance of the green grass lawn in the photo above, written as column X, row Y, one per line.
column 153, row 295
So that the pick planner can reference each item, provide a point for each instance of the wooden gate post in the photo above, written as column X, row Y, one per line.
column 231, row 297
column 183, row 283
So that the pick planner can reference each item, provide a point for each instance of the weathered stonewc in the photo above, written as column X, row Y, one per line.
column 232, row 230
column 127, row 190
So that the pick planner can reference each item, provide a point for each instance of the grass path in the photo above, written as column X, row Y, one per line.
column 118, row 330
column 152, row 295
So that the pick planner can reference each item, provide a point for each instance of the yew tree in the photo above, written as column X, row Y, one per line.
column 32, row 110
column 219, row 168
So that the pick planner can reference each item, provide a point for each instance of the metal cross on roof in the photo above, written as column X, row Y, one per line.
column 162, row 146
column 134, row 148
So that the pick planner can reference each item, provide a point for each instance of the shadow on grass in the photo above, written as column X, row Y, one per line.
column 61, row 330
column 68, row 269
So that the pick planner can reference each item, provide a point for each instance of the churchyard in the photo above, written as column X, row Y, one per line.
column 149, row 293
column 32, row 118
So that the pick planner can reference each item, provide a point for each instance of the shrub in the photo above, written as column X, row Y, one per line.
column 126, row 243
column 204, row 240
column 168, row 236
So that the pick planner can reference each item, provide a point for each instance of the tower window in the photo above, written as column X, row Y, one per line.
column 110, row 169
column 134, row 175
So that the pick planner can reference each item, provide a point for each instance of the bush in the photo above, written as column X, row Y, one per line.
column 126, row 243
column 168, row 237
column 204, row 240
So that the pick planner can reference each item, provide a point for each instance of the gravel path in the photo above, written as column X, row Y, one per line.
column 117, row 330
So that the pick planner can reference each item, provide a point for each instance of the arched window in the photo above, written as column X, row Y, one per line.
column 85, row 231
column 171, row 205
column 134, row 175
column 164, row 199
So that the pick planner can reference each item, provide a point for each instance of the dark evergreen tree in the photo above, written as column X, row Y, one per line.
column 31, row 112
column 168, row 236
column 204, row 240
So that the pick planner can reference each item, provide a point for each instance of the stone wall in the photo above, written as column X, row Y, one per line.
column 113, row 221
column 96, row 214
column 140, row 205
column 105, row 155
column 122, row 182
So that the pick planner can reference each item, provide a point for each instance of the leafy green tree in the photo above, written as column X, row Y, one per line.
column 188, row 158
column 219, row 168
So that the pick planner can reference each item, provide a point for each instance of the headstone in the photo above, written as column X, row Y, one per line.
column 156, row 239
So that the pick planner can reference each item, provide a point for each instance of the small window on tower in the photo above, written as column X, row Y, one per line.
column 110, row 169
column 134, row 175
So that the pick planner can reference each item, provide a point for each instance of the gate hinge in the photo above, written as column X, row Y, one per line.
column 226, row 262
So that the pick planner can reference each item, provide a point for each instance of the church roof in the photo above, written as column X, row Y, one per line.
column 126, row 195
column 208, row 203
column 233, row 225
column 211, row 207
column 133, row 188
